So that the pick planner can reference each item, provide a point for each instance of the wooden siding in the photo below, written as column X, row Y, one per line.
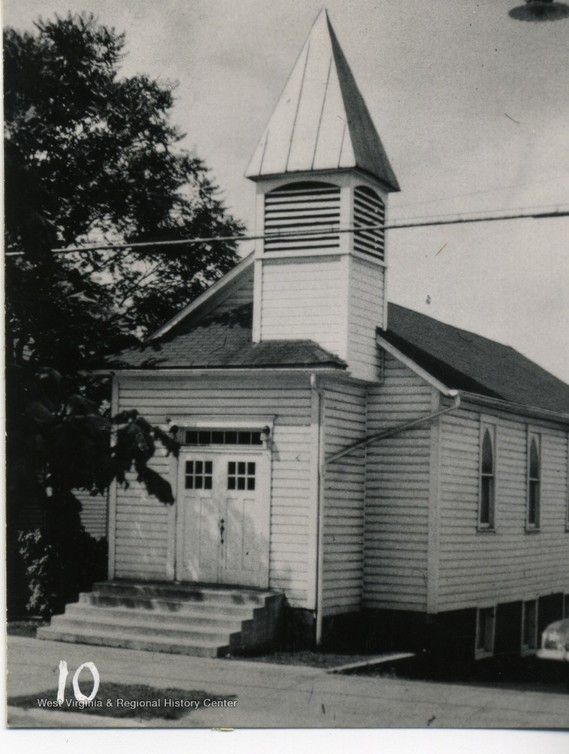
column 305, row 298
column 344, row 495
column 144, row 547
column 365, row 315
column 397, row 495
column 239, row 294
column 481, row 567
column 94, row 510
column 292, row 503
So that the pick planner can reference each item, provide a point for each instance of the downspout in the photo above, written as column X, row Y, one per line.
column 396, row 430
column 319, row 508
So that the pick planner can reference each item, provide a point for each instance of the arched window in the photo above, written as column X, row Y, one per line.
column 534, row 479
column 487, row 477
column 369, row 211
column 310, row 210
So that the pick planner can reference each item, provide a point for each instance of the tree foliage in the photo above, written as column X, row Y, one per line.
column 92, row 156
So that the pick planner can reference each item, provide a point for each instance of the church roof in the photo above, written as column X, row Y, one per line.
column 460, row 359
column 465, row 361
column 222, row 340
column 321, row 121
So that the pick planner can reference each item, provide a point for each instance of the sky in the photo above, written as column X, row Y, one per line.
column 472, row 107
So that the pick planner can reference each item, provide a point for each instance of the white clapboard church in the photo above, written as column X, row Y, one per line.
column 350, row 468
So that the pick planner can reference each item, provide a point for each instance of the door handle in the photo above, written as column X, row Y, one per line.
column 221, row 529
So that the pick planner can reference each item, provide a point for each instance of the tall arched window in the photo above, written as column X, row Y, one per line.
column 487, row 477
column 534, row 479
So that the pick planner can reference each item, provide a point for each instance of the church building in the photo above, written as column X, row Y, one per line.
column 349, row 468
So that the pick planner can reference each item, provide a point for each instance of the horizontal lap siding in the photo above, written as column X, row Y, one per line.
column 365, row 315
column 292, row 509
column 508, row 564
column 303, row 299
column 144, row 546
column 397, row 496
column 93, row 513
column 344, row 424
column 241, row 294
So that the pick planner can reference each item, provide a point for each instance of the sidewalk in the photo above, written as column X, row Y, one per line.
column 272, row 696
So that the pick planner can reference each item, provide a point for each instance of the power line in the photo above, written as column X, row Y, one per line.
column 324, row 231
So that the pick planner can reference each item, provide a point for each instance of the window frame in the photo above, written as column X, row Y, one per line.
column 485, row 651
column 536, row 481
column 530, row 647
column 491, row 428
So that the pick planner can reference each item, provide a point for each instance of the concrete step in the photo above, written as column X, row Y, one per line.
column 172, row 606
column 229, row 595
column 151, row 618
column 194, row 648
column 167, row 630
column 181, row 618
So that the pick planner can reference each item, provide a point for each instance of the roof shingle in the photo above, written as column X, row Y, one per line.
column 222, row 340
column 460, row 359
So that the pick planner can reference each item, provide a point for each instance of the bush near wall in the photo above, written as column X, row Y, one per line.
column 58, row 566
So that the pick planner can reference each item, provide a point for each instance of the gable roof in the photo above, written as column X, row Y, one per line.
column 321, row 121
column 222, row 340
column 459, row 359
column 463, row 360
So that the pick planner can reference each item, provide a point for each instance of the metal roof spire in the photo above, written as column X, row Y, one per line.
column 321, row 121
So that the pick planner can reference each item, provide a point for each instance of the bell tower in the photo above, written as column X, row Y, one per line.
column 322, row 179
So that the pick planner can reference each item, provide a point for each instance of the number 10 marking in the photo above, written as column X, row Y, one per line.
column 64, row 672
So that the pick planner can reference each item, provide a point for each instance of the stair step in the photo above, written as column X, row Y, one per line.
column 64, row 623
column 143, row 617
column 194, row 619
column 195, row 648
column 166, row 605
column 187, row 592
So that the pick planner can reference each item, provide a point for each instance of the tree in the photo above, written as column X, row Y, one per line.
column 92, row 156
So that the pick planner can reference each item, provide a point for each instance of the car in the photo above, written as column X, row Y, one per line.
column 555, row 642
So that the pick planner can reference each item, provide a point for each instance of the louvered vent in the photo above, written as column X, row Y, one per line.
column 303, row 208
column 369, row 210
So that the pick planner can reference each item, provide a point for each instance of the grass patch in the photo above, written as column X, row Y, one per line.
column 129, row 701
column 26, row 627
column 306, row 657
column 508, row 672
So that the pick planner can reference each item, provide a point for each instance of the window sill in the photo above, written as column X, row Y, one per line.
column 486, row 529
column 532, row 530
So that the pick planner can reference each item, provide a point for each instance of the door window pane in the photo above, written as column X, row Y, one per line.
column 241, row 475
column 199, row 475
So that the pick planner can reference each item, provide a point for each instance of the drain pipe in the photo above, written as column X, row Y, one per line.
column 319, row 506
column 396, row 430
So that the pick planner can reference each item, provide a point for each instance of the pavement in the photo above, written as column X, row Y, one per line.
column 269, row 695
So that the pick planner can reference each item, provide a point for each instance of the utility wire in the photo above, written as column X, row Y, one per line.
column 323, row 231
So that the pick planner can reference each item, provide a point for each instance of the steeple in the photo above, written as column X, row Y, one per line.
column 322, row 180
column 321, row 121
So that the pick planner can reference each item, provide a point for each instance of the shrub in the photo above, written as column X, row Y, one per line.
column 58, row 567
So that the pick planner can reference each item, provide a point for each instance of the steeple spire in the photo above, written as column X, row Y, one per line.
column 321, row 121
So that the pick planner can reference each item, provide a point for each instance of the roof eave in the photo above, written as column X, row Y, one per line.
column 516, row 408
column 389, row 187
column 149, row 371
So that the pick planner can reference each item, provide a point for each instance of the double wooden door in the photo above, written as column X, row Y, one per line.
column 223, row 518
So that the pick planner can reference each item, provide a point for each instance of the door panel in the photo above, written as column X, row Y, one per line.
column 224, row 512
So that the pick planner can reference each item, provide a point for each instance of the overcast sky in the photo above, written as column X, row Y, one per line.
column 471, row 105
